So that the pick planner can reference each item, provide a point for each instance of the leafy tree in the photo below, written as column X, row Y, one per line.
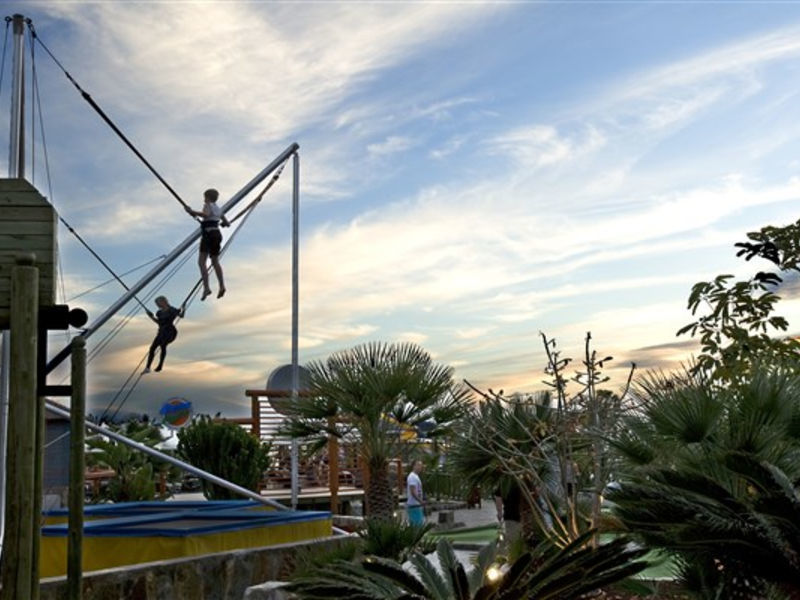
column 133, row 471
column 552, row 445
column 735, row 323
column 548, row 572
column 225, row 450
column 369, row 395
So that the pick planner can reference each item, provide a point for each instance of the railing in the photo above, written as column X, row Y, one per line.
column 442, row 485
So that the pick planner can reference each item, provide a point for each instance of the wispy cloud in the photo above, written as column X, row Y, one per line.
column 543, row 145
column 584, row 215
column 391, row 145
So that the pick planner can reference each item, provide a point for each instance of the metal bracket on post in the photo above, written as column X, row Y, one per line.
column 56, row 317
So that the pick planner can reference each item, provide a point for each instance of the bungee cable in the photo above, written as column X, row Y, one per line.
column 187, row 302
column 107, row 281
column 86, row 96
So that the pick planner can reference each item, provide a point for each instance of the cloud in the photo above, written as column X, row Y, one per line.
column 569, row 219
column 391, row 145
column 739, row 58
column 543, row 145
column 449, row 147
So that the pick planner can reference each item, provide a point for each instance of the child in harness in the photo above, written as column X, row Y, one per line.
column 165, row 317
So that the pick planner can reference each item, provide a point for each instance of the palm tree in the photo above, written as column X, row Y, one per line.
column 711, row 477
column 548, row 572
column 503, row 444
column 370, row 394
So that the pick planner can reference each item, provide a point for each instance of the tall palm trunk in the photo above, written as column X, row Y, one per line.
column 380, row 499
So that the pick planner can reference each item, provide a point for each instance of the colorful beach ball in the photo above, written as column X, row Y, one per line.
column 176, row 412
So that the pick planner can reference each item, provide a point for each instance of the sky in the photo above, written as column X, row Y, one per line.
column 472, row 175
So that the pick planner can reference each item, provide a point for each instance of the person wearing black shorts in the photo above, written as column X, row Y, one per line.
column 211, row 240
column 165, row 317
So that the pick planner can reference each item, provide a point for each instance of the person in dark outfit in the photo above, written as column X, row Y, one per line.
column 508, row 512
column 165, row 317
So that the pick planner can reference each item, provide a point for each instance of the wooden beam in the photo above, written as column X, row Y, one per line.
column 333, row 469
column 275, row 393
column 18, row 571
column 77, row 471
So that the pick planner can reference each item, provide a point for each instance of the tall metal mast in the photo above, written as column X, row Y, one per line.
column 16, row 169
column 16, row 150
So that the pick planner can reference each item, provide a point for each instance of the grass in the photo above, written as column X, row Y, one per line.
column 662, row 567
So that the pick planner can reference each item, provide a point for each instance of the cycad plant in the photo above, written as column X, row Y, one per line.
column 133, row 471
column 712, row 476
column 509, row 442
column 394, row 538
column 370, row 395
column 548, row 572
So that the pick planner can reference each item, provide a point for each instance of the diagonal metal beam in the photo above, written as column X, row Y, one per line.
column 171, row 257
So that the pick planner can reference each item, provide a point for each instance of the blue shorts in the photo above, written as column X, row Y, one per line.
column 416, row 515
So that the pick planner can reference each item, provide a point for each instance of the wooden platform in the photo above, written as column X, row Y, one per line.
column 28, row 225
column 318, row 498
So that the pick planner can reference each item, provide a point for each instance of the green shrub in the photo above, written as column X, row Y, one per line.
column 548, row 572
column 313, row 558
column 226, row 450
column 133, row 479
column 395, row 539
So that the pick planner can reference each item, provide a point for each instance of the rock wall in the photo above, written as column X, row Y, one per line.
column 222, row 576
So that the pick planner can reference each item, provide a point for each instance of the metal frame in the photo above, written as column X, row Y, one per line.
column 63, row 411
column 16, row 168
column 171, row 257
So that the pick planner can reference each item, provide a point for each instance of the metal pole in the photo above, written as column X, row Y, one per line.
column 77, row 471
column 16, row 168
column 62, row 411
column 295, row 296
column 179, row 249
column 57, row 409
column 6, row 354
column 16, row 150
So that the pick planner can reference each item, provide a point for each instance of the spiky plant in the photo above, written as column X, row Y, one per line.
column 712, row 478
column 504, row 443
column 133, row 471
column 370, row 394
column 395, row 539
column 548, row 572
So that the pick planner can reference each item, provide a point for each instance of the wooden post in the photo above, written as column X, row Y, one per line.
column 364, row 480
column 333, row 470
column 255, row 413
column 38, row 482
column 77, row 471
column 400, row 487
column 21, row 522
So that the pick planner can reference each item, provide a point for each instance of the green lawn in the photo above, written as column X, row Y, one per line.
column 662, row 567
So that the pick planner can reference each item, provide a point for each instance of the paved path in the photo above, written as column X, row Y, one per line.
column 472, row 517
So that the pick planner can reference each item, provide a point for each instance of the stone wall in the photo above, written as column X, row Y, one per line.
column 222, row 576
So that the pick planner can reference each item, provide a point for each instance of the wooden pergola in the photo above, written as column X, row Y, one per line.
column 254, row 420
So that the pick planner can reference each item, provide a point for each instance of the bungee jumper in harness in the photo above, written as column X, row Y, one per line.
column 165, row 317
column 211, row 239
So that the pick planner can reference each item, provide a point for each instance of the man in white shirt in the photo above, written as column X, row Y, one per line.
column 414, row 502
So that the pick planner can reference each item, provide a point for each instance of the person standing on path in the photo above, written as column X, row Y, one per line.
column 211, row 240
column 414, row 501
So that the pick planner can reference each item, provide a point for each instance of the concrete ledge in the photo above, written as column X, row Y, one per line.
column 271, row 590
column 348, row 522
column 220, row 576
